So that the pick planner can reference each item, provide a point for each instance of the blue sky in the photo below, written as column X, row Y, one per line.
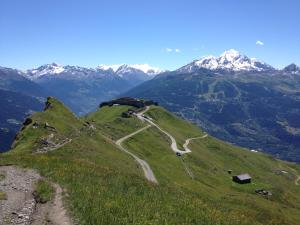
column 91, row 32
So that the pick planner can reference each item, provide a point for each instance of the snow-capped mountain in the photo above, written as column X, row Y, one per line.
column 82, row 88
column 123, row 69
column 56, row 69
column 231, row 60
column 143, row 70
column 45, row 69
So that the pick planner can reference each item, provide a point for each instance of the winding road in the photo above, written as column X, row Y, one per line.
column 173, row 141
column 145, row 166
column 187, row 141
column 297, row 181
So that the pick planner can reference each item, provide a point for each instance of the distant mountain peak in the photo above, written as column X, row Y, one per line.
column 231, row 60
column 292, row 68
column 124, row 68
column 113, row 67
column 52, row 68
column 231, row 54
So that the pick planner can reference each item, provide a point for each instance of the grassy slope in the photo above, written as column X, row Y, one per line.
column 210, row 161
column 106, row 186
column 43, row 191
column 109, row 122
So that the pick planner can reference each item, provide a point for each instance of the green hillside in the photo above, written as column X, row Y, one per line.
column 107, row 186
column 255, row 110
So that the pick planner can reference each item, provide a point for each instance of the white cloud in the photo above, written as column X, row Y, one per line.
column 169, row 50
column 258, row 42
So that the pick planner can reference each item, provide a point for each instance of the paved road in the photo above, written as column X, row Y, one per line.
column 145, row 166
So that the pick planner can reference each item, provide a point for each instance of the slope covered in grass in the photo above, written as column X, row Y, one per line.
column 209, row 164
column 108, row 121
column 106, row 186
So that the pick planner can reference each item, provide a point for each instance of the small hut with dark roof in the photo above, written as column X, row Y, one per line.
column 242, row 178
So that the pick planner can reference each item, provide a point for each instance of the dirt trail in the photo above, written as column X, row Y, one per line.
column 54, row 147
column 173, row 145
column 145, row 166
column 187, row 141
column 297, row 180
column 187, row 150
column 20, row 207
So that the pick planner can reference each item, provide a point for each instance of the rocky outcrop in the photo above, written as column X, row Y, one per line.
column 48, row 104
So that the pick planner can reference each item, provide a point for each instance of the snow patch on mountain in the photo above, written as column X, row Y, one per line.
column 136, row 71
column 124, row 68
column 114, row 67
column 147, row 69
column 46, row 69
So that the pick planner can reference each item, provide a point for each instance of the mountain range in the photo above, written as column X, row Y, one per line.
column 122, row 70
column 233, row 97
column 80, row 88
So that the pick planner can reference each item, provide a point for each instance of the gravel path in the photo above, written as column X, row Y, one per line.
column 20, row 207
column 187, row 150
column 173, row 141
column 18, row 186
column 145, row 166
column 187, row 141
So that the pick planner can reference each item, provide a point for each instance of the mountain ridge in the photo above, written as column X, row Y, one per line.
column 230, row 60
column 103, row 184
